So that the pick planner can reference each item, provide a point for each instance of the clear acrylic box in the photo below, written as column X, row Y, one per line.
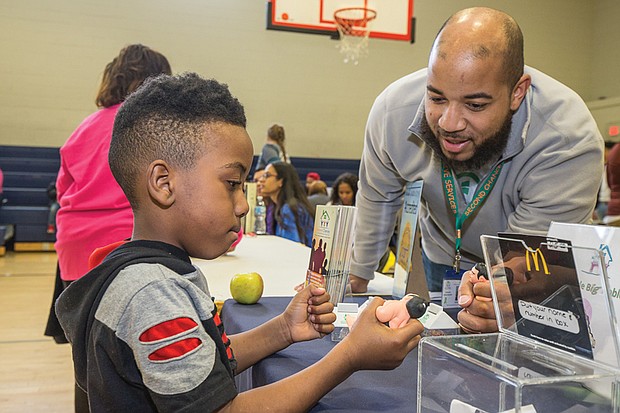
column 500, row 372
column 530, row 365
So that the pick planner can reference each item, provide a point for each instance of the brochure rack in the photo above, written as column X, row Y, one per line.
column 554, row 351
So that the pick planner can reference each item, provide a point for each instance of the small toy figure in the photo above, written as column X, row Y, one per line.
column 396, row 313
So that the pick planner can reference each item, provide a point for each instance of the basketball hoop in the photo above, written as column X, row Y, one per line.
column 354, row 27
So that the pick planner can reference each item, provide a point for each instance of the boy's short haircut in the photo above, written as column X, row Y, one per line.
column 165, row 119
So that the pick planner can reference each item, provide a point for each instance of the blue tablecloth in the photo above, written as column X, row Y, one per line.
column 380, row 391
column 372, row 391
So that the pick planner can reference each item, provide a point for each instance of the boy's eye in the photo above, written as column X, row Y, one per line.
column 234, row 184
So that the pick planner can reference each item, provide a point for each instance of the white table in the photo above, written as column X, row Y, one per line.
column 282, row 264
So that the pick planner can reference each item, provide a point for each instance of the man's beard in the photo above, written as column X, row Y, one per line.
column 485, row 153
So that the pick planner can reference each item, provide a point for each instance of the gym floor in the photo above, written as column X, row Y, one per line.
column 36, row 374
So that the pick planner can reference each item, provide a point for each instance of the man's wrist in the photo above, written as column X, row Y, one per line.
column 358, row 284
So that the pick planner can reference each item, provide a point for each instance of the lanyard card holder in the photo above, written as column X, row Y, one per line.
column 450, row 288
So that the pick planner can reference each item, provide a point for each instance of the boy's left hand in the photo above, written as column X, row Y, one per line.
column 309, row 315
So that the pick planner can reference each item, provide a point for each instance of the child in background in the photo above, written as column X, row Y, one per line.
column 317, row 194
column 144, row 331
column 310, row 178
column 344, row 190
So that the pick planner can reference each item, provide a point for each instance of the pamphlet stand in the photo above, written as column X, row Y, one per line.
column 531, row 365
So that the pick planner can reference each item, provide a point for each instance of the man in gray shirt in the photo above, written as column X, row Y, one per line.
column 499, row 146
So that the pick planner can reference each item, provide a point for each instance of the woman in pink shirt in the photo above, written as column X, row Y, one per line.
column 94, row 211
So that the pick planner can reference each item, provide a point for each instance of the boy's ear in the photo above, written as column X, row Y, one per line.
column 160, row 183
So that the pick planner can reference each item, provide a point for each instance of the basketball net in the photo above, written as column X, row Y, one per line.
column 354, row 27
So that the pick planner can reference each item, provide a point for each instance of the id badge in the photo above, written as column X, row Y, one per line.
column 450, row 288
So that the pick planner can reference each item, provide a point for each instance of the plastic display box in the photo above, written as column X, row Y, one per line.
column 554, row 352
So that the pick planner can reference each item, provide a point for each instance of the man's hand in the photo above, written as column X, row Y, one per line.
column 478, row 314
column 309, row 315
column 358, row 285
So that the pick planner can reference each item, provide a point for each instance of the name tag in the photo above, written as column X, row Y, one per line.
column 450, row 288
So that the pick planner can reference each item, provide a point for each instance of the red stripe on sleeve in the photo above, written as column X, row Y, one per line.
column 167, row 329
column 217, row 319
column 175, row 350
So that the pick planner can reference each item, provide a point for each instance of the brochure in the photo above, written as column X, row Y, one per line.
column 332, row 245
column 407, row 237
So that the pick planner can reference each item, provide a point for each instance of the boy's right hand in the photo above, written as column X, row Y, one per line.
column 371, row 345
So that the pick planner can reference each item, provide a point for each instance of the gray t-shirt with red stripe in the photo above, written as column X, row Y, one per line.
column 156, row 342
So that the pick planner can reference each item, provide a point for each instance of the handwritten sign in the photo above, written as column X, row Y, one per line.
column 564, row 320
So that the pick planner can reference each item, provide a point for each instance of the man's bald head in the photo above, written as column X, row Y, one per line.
column 482, row 33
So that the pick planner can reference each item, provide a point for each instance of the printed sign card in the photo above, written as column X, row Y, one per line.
column 544, row 292
column 406, row 238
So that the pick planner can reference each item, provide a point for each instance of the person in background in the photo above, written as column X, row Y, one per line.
column 317, row 193
column 494, row 142
column 257, row 174
column 344, row 190
column 273, row 150
column 93, row 210
column 311, row 177
column 268, row 203
column 289, row 214
column 145, row 333
column 613, row 179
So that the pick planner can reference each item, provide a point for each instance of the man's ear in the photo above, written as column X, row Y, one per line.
column 160, row 183
column 519, row 91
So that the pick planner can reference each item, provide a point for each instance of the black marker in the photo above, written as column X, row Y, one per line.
column 482, row 270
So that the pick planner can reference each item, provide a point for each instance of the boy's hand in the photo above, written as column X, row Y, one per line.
column 309, row 315
column 375, row 346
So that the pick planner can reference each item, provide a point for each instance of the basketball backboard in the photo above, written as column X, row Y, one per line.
column 394, row 17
